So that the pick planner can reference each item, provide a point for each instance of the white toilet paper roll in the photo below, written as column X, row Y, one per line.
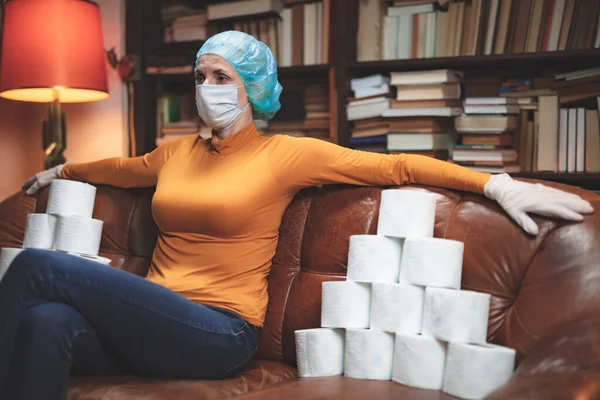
column 374, row 258
column 39, row 231
column 345, row 305
column 474, row 371
column 459, row 316
column 101, row 260
column 78, row 235
column 432, row 262
column 320, row 352
column 406, row 213
column 7, row 255
column 71, row 198
column 419, row 361
column 396, row 307
column 369, row 354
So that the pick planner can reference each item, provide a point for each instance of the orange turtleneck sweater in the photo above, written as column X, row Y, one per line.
column 218, row 206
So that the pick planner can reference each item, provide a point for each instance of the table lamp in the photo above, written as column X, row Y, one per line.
column 53, row 52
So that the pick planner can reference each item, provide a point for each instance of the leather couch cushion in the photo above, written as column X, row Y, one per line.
column 340, row 387
column 259, row 375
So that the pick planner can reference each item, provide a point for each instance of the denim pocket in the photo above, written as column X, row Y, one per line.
column 238, row 323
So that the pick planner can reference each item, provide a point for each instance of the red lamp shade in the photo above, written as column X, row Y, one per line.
column 53, row 49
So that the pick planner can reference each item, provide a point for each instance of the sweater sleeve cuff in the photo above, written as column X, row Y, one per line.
column 64, row 173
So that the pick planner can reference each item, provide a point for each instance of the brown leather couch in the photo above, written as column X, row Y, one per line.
column 545, row 292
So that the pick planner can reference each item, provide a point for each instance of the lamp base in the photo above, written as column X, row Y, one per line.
column 54, row 136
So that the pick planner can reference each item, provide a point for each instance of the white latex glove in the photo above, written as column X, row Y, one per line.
column 519, row 198
column 42, row 179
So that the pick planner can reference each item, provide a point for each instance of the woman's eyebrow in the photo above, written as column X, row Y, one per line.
column 220, row 71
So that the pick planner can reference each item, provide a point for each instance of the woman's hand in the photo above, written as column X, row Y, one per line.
column 42, row 179
column 519, row 198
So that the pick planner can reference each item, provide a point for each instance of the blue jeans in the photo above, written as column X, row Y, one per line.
column 62, row 315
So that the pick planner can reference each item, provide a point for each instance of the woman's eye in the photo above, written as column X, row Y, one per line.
column 221, row 78
column 199, row 80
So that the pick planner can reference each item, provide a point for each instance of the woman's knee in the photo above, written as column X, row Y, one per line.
column 29, row 258
column 51, row 320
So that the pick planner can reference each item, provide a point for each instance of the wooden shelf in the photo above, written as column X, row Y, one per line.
column 298, row 72
column 302, row 71
column 181, row 47
column 586, row 180
column 175, row 78
column 559, row 60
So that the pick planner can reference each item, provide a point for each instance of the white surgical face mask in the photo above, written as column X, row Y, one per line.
column 218, row 105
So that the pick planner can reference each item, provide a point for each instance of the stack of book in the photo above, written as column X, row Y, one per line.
column 371, row 97
column 187, row 28
column 516, row 86
column 577, row 85
column 485, row 151
column 316, row 107
column 426, row 93
column 417, row 120
column 485, row 135
column 429, row 95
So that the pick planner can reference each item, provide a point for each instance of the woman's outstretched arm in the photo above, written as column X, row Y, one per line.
column 123, row 172
column 305, row 162
column 311, row 162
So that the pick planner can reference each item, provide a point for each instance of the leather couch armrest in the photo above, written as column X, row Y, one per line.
column 563, row 365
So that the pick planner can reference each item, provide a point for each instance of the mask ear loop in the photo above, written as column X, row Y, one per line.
column 249, row 102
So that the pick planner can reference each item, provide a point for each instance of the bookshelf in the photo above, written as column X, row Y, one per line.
column 586, row 180
column 560, row 60
column 144, row 39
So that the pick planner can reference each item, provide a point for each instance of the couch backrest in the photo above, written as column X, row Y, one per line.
column 538, row 284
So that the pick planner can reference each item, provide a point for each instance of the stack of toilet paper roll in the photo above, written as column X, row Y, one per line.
column 401, row 315
column 67, row 225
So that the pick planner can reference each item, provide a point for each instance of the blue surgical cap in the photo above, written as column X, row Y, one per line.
column 254, row 63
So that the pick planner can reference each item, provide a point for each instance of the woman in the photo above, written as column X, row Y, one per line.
column 218, row 205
